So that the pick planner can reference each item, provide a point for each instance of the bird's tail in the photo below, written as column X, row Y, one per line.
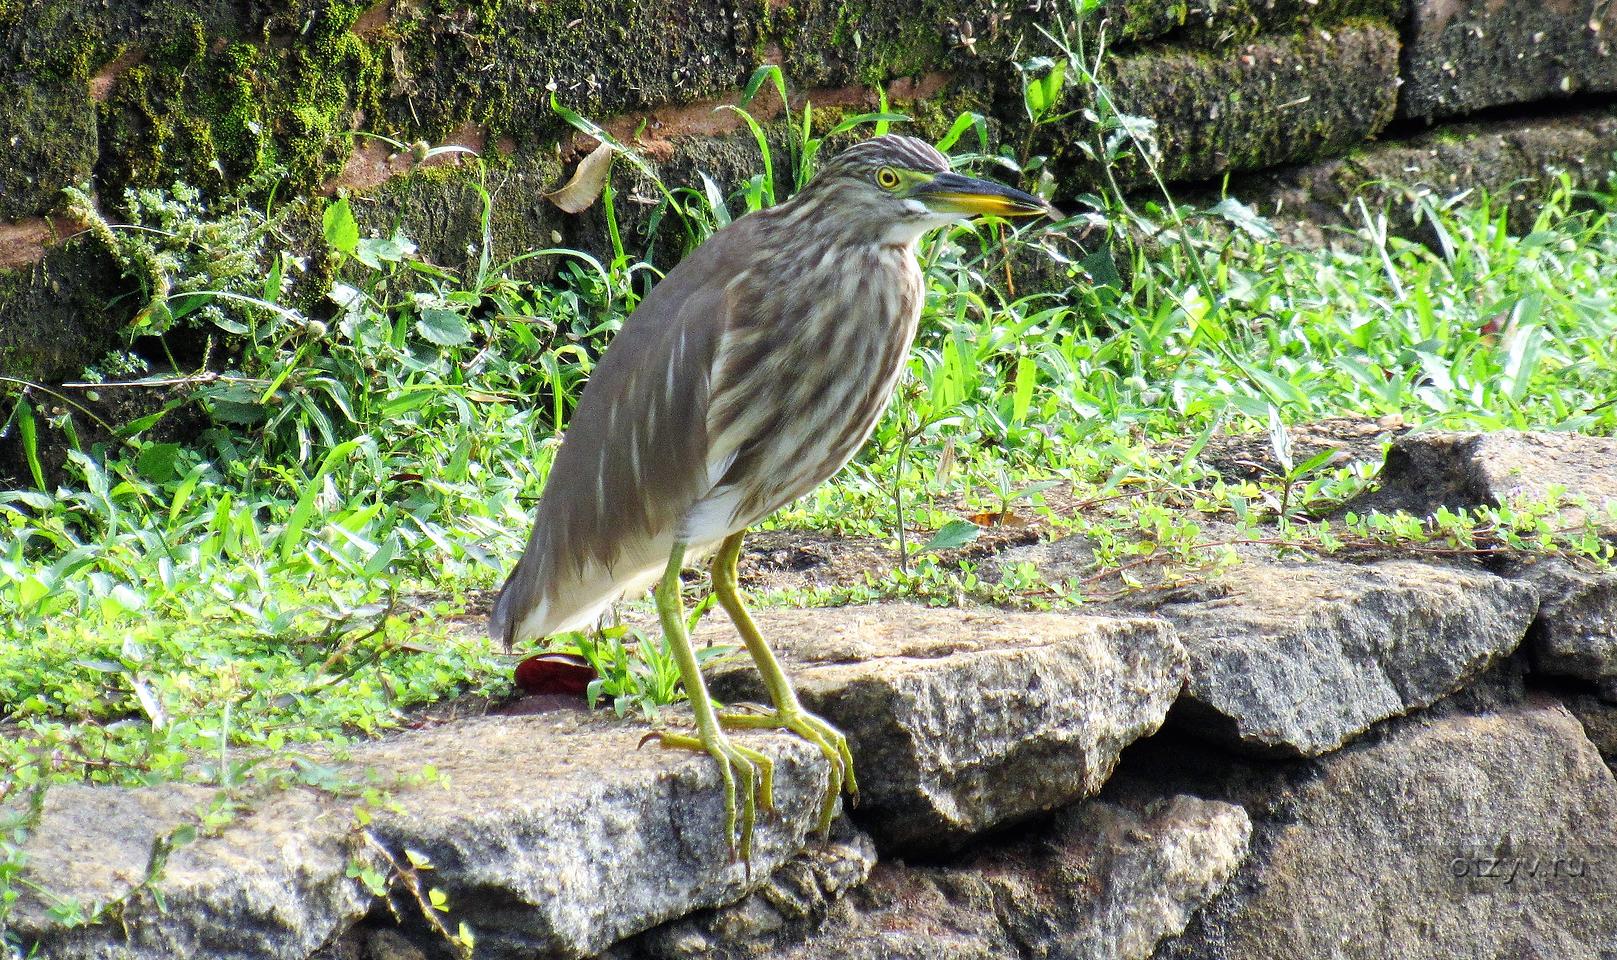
column 501, row 623
column 529, row 609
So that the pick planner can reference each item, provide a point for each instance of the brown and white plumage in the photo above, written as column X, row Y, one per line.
column 752, row 373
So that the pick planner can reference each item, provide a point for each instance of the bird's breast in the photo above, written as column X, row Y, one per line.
column 805, row 376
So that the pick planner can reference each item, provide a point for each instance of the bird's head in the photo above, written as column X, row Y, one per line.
column 898, row 187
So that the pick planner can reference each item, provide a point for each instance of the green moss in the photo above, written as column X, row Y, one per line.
column 50, row 139
column 1230, row 22
column 494, row 62
column 212, row 110
column 227, row 88
column 1284, row 100
column 832, row 43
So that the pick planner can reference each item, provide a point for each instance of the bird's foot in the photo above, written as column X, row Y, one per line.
column 833, row 745
column 749, row 784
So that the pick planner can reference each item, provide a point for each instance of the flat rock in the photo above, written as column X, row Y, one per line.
column 1300, row 657
column 1461, row 56
column 962, row 720
column 1470, row 836
column 272, row 883
column 1295, row 657
column 553, row 836
column 557, row 836
column 1425, row 471
column 1103, row 881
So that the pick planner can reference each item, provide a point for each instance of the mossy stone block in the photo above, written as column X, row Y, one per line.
column 55, row 316
column 1277, row 100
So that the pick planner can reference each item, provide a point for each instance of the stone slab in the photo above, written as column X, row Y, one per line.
column 271, row 884
column 963, row 720
column 1575, row 633
column 1296, row 657
column 552, row 835
column 1299, row 657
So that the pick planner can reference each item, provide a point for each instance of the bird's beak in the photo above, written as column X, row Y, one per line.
column 953, row 193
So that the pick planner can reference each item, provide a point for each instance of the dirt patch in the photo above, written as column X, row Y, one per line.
column 1250, row 456
column 102, row 82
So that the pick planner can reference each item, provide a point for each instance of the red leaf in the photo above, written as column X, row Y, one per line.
column 555, row 673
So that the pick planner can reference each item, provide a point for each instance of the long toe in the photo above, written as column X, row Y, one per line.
column 831, row 739
column 816, row 730
column 748, row 779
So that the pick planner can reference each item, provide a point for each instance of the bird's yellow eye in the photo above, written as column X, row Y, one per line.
column 887, row 178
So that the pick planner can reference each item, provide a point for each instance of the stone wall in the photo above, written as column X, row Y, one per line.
column 1367, row 756
column 110, row 95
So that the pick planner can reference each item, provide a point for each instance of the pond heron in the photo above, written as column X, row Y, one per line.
column 745, row 379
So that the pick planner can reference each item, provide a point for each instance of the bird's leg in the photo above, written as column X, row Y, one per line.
column 789, row 713
column 755, row 771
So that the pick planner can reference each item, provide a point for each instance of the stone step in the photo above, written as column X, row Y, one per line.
column 964, row 720
column 553, row 836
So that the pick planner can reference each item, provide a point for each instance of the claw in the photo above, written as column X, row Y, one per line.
column 831, row 741
column 749, row 783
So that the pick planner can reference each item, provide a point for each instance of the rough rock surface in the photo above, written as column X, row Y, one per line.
column 1489, row 834
column 1461, row 56
column 1297, row 657
column 1599, row 719
column 552, row 835
column 1425, row 471
column 961, row 720
column 1300, row 657
column 795, row 900
column 1103, row 880
column 1575, row 633
column 546, row 821
column 271, row 884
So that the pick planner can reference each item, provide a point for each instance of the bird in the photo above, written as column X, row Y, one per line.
column 749, row 375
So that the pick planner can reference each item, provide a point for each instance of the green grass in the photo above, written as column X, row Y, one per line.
column 297, row 564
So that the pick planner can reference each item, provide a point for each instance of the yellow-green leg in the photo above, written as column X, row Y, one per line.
column 789, row 713
column 754, row 771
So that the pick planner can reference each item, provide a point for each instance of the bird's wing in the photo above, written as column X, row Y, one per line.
column 635, row 455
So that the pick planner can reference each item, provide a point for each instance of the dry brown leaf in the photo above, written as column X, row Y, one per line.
column 577, row 194
column 998, row 518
